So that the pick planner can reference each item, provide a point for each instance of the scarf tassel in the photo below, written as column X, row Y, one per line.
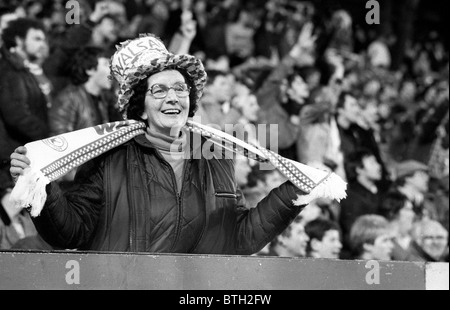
column 333, row 187
column 30, row 191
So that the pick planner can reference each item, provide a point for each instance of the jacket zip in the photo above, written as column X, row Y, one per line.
column 132, row 214
column 179, row 196
column 180, row 202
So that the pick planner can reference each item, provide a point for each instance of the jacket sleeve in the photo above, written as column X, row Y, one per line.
column 259, row 226
column 15, row 110
column 62, row 115
column 69, row 220
column 271, row 110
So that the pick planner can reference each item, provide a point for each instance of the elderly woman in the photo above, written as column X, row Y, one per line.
column 144, row 196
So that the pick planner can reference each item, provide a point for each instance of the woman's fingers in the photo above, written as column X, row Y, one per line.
column 15, row 171
column 19, row 162
column 22, row 164
column 18, row 157
column 21, row 150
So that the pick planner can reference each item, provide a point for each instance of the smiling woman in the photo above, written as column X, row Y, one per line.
column 149, row 193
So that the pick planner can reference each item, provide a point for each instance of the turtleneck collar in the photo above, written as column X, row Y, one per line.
column 166, row 143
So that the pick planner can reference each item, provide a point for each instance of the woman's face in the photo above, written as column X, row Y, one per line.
column 167, row 115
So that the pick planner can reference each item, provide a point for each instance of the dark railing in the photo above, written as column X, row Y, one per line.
column 74, row 270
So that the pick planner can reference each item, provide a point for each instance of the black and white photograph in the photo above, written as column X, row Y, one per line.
column 222, row 152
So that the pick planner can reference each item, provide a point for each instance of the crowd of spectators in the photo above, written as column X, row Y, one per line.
column 331, row 91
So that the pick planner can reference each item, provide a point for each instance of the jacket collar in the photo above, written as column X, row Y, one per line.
column 14, row 59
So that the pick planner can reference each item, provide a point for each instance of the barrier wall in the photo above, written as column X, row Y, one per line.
column 72, row 271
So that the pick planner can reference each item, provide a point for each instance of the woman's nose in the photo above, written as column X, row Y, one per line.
column 172, row 96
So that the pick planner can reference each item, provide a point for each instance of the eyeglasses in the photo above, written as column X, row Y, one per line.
column 160, row 91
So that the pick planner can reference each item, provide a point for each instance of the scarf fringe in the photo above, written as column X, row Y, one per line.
column 30, row 191
column 333, row 188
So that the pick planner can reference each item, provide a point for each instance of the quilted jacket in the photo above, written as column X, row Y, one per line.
column 127, row 201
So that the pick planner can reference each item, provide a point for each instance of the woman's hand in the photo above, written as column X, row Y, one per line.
column 19, row 162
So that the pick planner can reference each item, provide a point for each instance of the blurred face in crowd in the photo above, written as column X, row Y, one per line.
column 381, row 249
column 351, row 110
column 349, row 82
column 384, row 111
column 372, row 88
column 242, row 171
column 313, row 80
column 406, row 218
column 371, row 169
column 434, row 240
column 388, row 94
column 221, row 88
column 419, row 181
column 298, row 90
column 296, row 243
column 408, row 92
column 250, row 109
column 34, row 46
column 329, row 247
column 108, row 28
column 166, row 115
column 100, row 75
column 436, row 94
column 371, row 114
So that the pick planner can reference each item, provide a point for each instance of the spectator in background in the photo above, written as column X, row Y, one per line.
column 281, row 88
column 245, row 128
column 398, row 210
column 292, row 242
column 430, row 241
column 100, row 30
column 363, row 196
column 23, row 106
column 371, row 238
column 239, row 36
column 379, row 52
column 218, row 92
column 83, row 104
column 324, row 239
column 355, row 133
column 341, row 32
column 314, row 137
column 412, row 180
column 154, row 19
